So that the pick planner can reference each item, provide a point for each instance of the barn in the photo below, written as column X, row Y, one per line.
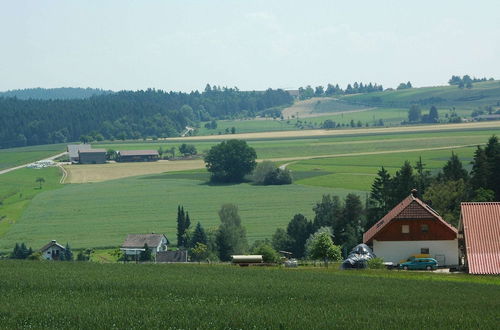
column 479, row 237
column 92, row 156
column 73, row 150
column 137, row 156
column 413, row 227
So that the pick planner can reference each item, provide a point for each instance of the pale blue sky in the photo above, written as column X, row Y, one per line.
column 182, row 45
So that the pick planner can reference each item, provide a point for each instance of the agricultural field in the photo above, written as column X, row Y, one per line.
column 19, row 156
column 18, row 188
column 102, row 214
column 92, row 295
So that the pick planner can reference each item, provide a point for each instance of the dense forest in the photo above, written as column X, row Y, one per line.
column 126, row 115
column 63, row 93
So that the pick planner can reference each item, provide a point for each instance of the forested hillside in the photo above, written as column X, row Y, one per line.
column 63, row 93
column 125, row 115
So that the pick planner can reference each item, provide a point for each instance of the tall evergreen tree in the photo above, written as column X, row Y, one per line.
column 453, row 170
column 328, row 212
column 350, row 233
column 68, row 254
column 403, row 182
column 199, row 236
column 492, row 151
column 423, row 177
column 181, row 226
column 298, row 230
column 379, row 202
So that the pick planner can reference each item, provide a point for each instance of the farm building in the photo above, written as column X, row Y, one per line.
column 413, row 227
column 92, row 156
column 137, row 156
column 134, row 244
column 172, row 256
column 73, row 150
column 479, row 237
column 52, row 251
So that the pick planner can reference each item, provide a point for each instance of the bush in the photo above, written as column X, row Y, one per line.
column 376, row 263
column 266, row 173
column 269, row 254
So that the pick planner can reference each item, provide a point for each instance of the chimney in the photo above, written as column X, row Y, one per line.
column 53, row 241
column 414, row 193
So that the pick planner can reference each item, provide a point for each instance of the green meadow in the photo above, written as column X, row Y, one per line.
column 92, row 295
column 102, row 214
column 18, row 156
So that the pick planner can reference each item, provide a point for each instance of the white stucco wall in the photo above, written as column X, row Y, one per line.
column 397, row 250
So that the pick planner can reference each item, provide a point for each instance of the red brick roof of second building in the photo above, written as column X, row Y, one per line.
column 138, row 153
column 410, row 208
column 481, row 227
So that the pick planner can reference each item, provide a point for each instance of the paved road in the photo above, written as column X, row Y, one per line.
column 22, row 166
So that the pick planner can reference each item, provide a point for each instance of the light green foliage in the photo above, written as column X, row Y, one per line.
column 376, row 263
column 269, row 254
column 199, row 252
column 262, row 170
column 320, row 246
column 107, row 296
column 231, row 238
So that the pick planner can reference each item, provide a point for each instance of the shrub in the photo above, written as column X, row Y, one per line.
column 269, row 254
column 376, row 263
column 266, row 173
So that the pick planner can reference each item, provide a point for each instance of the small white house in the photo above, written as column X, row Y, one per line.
column 52, row 251
column 134, row 244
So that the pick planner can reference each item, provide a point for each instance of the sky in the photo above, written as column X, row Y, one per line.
column 253, row 45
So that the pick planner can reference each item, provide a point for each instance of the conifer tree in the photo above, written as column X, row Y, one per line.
column 199, row 236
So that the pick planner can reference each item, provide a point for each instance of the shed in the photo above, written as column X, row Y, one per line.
column 479, row 237
column 52, row 250
column 413, row 227
column 137, row 155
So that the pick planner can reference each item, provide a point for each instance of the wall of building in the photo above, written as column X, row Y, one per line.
column 93, row 158
column 394, row 251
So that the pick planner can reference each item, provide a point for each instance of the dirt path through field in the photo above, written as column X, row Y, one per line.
column 111, row 171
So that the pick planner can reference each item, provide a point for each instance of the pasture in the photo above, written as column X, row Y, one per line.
column 91, row 295
column 19, row 156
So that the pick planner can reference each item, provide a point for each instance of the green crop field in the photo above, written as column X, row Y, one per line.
column 19, row 156
column 102, row 214
column 90, row 295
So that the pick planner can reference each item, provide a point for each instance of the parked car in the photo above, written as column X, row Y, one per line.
column 419, row 263
column 413, row 256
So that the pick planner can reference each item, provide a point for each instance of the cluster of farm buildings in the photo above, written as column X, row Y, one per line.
column 410, row 228
column 84, row 154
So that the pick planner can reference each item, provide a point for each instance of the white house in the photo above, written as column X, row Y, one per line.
column 134, row 244
column 413, row 227
column 52, row 251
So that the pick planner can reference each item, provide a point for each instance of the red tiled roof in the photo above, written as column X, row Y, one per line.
column 410, row 208
column 138, row 153
column 481, row 226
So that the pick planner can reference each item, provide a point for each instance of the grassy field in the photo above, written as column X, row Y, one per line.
column 482, row 94
column 91, row 295
column 102, row 214
column 18, row 188
column 19, row 156
column 358, row 172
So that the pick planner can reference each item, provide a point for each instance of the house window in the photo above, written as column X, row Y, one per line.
column 424, row 228
column 405, row 229
column 424, row 250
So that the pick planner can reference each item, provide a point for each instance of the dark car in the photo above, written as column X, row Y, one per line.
column 419, row 263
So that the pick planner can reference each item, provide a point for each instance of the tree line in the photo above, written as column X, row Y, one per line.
column 443, row 191
column 331, row 90
column 126, row 115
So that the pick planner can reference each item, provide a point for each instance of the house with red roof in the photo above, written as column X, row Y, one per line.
column 479, row 237
column 413, row 227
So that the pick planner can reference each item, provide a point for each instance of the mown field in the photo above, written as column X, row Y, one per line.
column 18, row 188
column 18, row 156
column 90, row 295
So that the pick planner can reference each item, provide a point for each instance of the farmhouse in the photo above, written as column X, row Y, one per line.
column 134, row 244
column 52, row 250
column 137, row 156
column 479, row 237
column 92, row 156
column 413, row 227
column 73, row 150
